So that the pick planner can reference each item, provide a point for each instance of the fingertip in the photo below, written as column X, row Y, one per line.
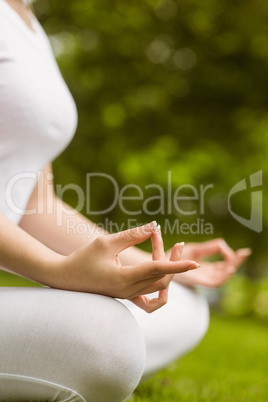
column 179, row 245
column 149, row 226
column 189, row 264
column 154, row 224
column 245, row 251
column 242, row 255
column 158, row 230
column 222, row 243
column 176, row 246
column 131, row 237
column 176, row 252
column 193, row 265
column 153, row 227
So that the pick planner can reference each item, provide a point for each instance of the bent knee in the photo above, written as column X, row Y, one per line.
column 119, row 360
column 90, row 344
column 192, row 316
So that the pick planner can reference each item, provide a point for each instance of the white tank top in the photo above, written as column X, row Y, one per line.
column 38, row 116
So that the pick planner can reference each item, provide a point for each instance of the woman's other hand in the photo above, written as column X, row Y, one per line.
column 211, row 274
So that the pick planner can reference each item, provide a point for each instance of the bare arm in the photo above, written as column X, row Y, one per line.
column 55, row 231
column 93, row 267
column 58, row 227
column 22, row 254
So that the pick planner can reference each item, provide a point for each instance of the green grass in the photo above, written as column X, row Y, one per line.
column 8, row 279
column 230, row 364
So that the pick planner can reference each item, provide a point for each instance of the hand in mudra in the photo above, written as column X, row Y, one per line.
column 211, row 274
column 96, row 268
column 144, row 302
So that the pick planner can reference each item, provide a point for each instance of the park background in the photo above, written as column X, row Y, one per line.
column 176, row 86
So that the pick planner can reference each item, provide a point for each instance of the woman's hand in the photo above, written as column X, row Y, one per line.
column 96, row 268
column 211, row 274
column 144, row 302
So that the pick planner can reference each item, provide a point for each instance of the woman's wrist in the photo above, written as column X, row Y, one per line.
column 50, row 270
column 23, row 255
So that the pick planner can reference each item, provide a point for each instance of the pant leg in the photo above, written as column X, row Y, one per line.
column 174, row 329
column 67, row 346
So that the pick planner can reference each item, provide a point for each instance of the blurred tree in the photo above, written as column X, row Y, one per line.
column 167, row 85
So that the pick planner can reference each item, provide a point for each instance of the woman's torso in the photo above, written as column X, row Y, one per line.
column 37, row 113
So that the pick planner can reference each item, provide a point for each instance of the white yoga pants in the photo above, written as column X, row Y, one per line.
column 68, row 346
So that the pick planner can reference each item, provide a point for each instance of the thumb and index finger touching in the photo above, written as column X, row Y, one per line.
column 158, row 254
column 159, row 266
column 130, row 237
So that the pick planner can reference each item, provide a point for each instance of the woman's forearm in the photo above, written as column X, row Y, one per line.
column 55, row 231
column 66, row 230
column 22, row 254
column 63, row 229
